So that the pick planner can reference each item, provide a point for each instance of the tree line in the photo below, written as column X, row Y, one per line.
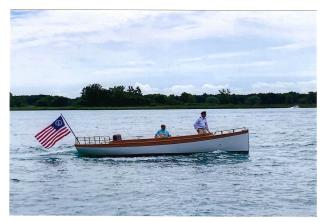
column 94, row 95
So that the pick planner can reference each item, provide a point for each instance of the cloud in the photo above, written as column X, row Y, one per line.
column 259, row 87
column 213, row 67
column 293, row 46
column 140, row 63
column 63, row 27
column 179, row 89
column 209, row 88
column 224, row 55
column 147, row 89
column 281, row 87
column 162, row 51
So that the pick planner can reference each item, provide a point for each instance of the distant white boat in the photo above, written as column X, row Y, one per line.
column 294, row 107
column 234, row 140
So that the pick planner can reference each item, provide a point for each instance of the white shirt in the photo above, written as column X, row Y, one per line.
column 201, row 123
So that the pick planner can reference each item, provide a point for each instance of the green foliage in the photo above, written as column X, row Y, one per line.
column 211, row 100
column 253, row 100
column 58, row 101
column 224, row 96
column 40, row 100
column 173, row 100
column 44, row 101
column 95, row 95
column 187, row 98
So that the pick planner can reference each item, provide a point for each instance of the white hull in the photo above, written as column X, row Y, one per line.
column 233, row 143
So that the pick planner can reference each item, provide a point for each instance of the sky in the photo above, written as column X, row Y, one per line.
column 58, row 52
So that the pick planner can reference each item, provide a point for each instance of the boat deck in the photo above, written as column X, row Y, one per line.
column 105, row 141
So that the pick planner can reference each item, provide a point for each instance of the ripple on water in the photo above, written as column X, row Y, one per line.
column 277, row 178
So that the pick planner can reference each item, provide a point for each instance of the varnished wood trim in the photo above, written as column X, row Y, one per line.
column 162, row 141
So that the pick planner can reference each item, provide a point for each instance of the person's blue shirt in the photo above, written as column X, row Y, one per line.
column 163, row 133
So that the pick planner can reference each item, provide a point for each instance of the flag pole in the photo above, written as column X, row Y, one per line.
column 69, row 127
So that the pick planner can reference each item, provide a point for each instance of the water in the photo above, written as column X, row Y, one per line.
column 277, row 178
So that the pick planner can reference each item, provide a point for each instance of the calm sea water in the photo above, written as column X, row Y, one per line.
column 277, row 178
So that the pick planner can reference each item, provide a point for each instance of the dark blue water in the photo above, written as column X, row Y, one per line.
column 277, row 178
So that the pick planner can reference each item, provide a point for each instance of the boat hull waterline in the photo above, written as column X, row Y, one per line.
column 231, row 142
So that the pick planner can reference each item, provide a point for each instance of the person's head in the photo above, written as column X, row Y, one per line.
column 163, row 127
column 203, row 114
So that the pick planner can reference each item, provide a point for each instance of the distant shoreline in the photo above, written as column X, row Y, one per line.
column 35, row 108
column 95, row 97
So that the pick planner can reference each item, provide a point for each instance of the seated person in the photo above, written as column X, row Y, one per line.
column 162, row 133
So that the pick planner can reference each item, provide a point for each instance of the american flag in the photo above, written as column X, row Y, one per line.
column 53, row 133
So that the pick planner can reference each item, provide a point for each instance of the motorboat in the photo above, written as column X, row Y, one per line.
column 233, row 140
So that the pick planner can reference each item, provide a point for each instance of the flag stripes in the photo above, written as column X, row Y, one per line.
column 53, row 133
column 58, row 137
column 45, row 135
column 43, row 131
